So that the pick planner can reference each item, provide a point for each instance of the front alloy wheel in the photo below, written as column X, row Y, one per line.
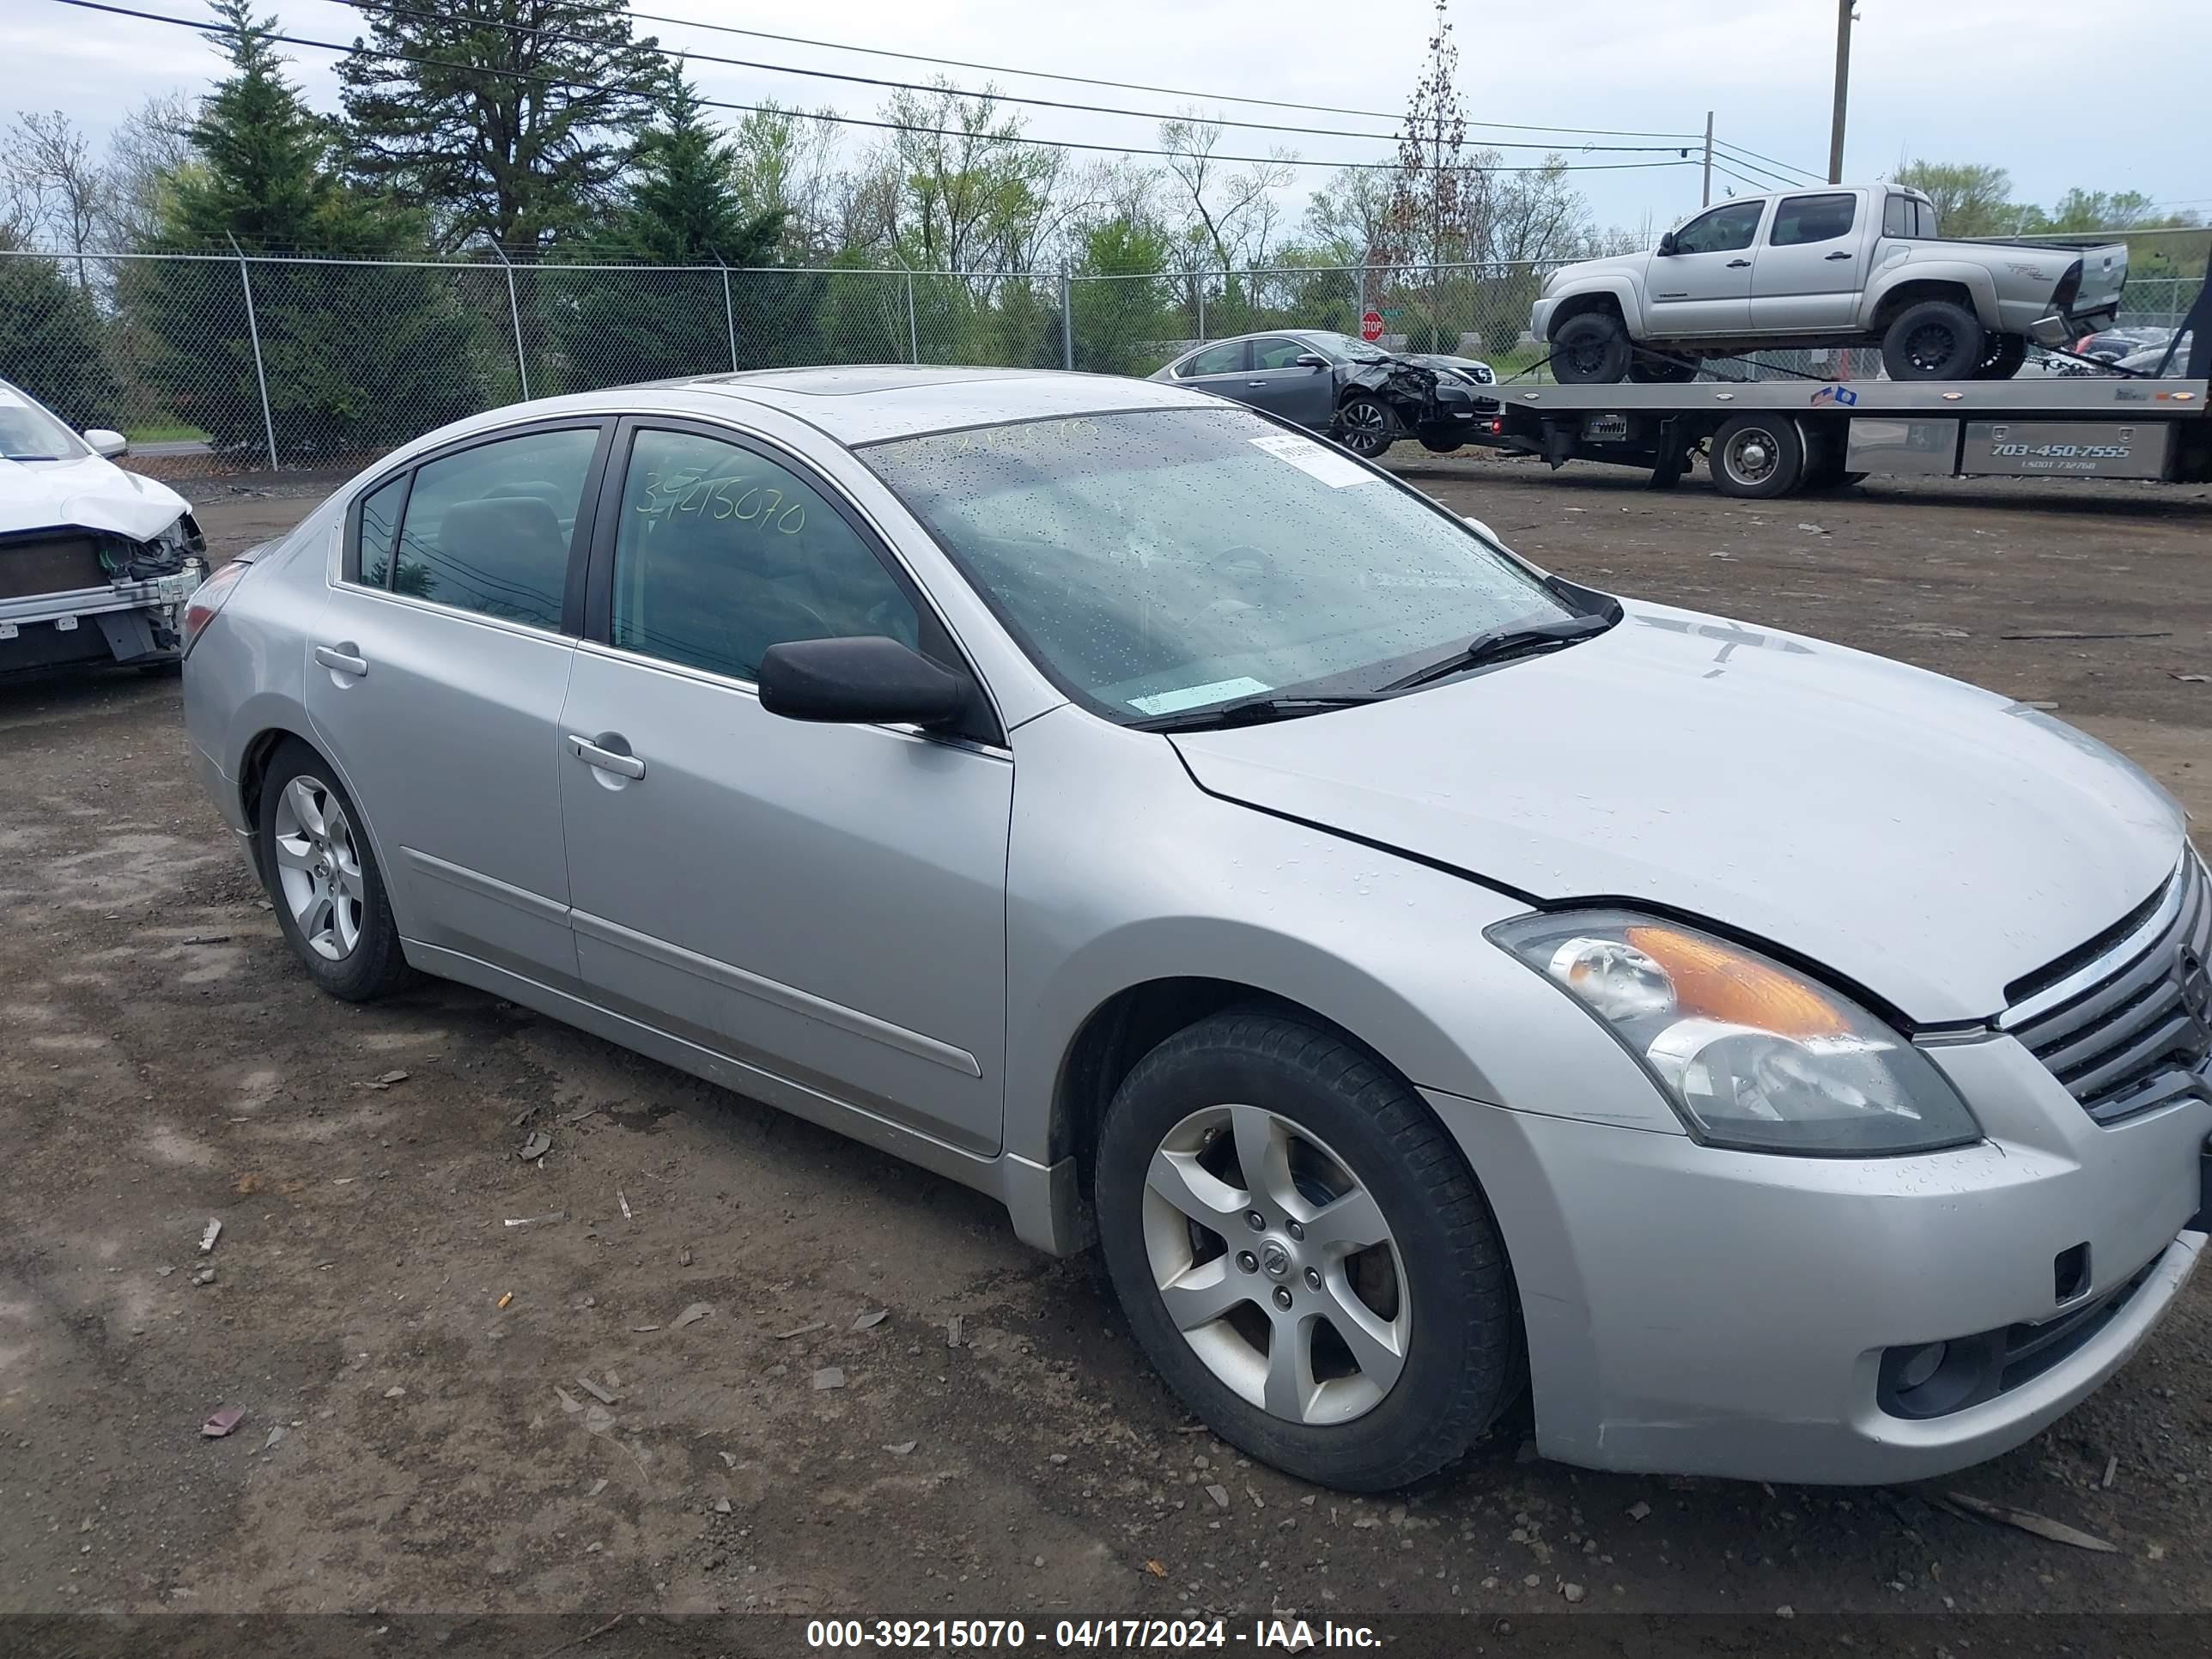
column 1364, row 426
column 1276, row 1265
column 1303, row 1252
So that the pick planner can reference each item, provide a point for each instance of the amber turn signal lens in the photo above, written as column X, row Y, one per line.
column 1719, row 983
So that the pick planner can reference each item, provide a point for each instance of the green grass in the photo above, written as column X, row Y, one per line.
column 160, row 432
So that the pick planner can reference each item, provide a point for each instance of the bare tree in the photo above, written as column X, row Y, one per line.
column 1438, row 196
column 1231, row 214
column 56, row 184
column 147, row 148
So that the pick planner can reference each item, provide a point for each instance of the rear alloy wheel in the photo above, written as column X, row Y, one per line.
column 1365, row 427
column 2006, row 353
column 1650, row 369
column 1757, row 455
column 324, row 882
column 1934, row 340
column 1303, row 1253
column 1592, row 349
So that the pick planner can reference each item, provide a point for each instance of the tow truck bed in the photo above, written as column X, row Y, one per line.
column 1774, row 437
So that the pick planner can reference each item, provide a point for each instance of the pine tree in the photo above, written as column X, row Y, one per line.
column 503, row 118
column 356, row 357
column 50, row 338
column 684, row 209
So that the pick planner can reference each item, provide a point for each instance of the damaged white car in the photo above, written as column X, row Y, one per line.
column 95, row 563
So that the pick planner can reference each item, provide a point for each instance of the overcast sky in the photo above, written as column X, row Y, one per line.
column 2019, row 83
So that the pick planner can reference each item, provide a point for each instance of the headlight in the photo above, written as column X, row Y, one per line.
column 1754, row 1055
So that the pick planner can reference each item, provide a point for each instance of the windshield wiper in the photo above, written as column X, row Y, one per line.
column 1252, row 711
column 1496, row 644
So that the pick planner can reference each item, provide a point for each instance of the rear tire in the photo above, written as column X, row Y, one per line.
column 2004, row 358
column 1254, row 1113
column 1934, row 340
column 1757, row 456
column 323, row 881
column 1592, row 349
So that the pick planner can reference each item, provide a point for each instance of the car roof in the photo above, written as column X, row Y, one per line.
column 869, row 403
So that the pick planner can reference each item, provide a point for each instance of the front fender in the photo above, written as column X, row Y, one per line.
column 1626, row 292
column 1974, row 278
column 1121, row 871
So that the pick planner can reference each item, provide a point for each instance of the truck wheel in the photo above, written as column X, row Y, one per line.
column 2006, row 353
column 1447, row 446
column 1757, row 455
column 1591, row 349
column 1651, row 370
column 1935, row 340
column 1363, row 426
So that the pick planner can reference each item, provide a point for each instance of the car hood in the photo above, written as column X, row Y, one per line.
column 1925, row 840
column 86, row 491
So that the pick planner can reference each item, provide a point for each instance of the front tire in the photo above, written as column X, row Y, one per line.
column 1592, row 349
column 323, row 880
column 1649, row 369
column 1365, row 1332
column 1934, row 340
column 1365, row 426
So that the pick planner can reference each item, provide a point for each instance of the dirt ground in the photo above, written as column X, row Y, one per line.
column 446, row 1411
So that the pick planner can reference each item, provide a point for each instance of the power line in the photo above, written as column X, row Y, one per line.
column 1005, row 97
column 1761, row 188
column 1810, row 176
column 1129, row 86
column 1720, row 156
column 198, row 26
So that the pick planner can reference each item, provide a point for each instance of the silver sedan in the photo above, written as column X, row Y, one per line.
column 1426, row 978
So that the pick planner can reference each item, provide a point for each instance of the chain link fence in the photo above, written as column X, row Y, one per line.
column 219, row 363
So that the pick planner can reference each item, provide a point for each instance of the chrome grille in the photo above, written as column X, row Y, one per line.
column 2128, row 1028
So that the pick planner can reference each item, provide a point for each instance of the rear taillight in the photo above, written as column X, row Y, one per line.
column 207, row 599
column 2069, row 286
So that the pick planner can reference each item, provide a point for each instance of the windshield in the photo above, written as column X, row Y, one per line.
column 1343, row 345
column 27, row 433
column 1168, row 560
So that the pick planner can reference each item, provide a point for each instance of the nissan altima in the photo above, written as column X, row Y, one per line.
column 1426, row 978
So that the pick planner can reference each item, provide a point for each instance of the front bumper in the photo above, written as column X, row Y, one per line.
column 161, row 598
column 1707, row 1312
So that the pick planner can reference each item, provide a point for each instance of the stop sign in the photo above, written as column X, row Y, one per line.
column 1371, row 326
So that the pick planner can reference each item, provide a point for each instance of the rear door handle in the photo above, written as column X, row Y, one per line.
column 624, row 766
column 1739, row 264
column 1840, row 254
column 1255, row 383
column 340, row 660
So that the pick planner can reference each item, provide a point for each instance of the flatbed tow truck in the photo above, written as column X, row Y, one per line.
column 1778, row 437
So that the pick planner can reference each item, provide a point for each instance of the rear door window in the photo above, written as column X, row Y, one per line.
column 489, row 529
column 1802, row 219
column 1897, row 216
column 1227, row 358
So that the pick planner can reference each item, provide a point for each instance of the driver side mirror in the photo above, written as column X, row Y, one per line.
column 865, row 680
column 107, row 444
column 1668, row 245
column 1309, row 360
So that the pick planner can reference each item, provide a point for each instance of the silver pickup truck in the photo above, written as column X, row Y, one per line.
column 1830, row 267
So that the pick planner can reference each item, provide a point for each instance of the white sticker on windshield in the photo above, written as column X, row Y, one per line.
column 1191, row 696
column 1334, row 469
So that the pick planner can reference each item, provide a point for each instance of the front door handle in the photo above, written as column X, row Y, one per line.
column 1840, row 254
column 1739, row 264
column 1255, row 383
column 340, row 660
column 623, row 766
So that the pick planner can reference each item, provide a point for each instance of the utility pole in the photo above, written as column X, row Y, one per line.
column 1842, row 90
column 1706, row 199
